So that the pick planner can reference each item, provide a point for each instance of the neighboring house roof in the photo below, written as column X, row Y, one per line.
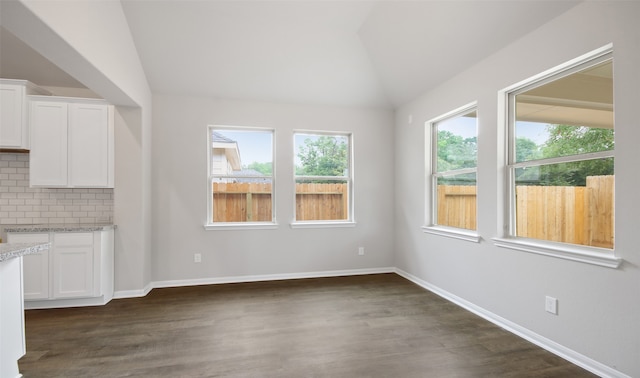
column 251, row 176
column 217, row 137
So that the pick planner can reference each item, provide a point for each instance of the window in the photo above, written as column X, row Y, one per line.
column 241, row 184
column 560, row 160
column 323, row 178
column 453, row 160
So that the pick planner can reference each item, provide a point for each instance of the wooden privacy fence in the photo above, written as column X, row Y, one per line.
column 251, row 202
column 579, row 215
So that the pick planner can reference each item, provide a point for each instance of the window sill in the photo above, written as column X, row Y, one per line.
column 241, row 226
column 590, row 255
column 320, row 224
column 455, row 233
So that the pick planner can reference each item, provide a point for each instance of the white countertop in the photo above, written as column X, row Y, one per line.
column 80, row 227
column 13, row 250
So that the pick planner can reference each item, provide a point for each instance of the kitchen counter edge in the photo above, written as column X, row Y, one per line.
column 23, row 228
column 12, row 250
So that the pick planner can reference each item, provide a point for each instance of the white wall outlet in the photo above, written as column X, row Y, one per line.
column 551, row 305
column 361, row 251
column 197, row 257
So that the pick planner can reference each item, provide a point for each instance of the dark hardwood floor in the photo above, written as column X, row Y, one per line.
column 360, row 326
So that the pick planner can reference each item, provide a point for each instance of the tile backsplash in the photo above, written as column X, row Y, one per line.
column 20, row 204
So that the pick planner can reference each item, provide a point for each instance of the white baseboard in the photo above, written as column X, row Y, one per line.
column 270, row 277
column 240, row 279
column 133, row 293
column 65, row 303
column 568, row 354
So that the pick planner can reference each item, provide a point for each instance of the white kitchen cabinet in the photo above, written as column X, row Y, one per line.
column 14, row 125
column 72, row 143
column 35, row 267
column 48, row 157
column 77, row 270
column 12, row 338
column 73, row 274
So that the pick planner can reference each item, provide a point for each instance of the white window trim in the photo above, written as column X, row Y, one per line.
column 241, row 226
column 350, row 222
column 209, row 225
column 452, row 232
column 574, row 252
column 431, row 197
column 322, row 224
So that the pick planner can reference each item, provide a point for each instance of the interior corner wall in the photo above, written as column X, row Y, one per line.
column 180, row 193
column 599, row 307
column 92, row 43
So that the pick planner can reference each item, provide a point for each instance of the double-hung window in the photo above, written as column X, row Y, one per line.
column 453, row 159
column 560, row 161
column 323, row 179
column 240, row 189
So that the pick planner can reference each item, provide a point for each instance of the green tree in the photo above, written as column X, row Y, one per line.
column 456, row 152
column 566, row 140
column 264, row 168
column 526, row 150
column 324, row 156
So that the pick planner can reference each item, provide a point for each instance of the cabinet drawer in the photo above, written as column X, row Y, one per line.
column 73, row 239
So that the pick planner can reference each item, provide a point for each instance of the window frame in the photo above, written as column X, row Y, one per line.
column 350, row 221
column 209, row 224
column 506, row 119
column 431, row 177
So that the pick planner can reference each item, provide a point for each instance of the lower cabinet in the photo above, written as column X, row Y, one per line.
column 76, row 271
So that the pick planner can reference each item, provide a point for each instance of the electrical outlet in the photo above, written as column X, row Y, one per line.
column 361, row 251
column 551, row 305
column 197, row 257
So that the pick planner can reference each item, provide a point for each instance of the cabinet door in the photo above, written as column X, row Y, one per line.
column 12, row 343
column 35, row 267
column 73, row 275
column 13, row 131
column 88, row 145
column 48, row 157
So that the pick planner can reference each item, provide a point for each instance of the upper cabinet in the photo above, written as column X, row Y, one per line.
column 14, row 125
column 72, row 143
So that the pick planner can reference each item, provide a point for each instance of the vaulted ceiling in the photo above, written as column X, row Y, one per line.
column 345, row 53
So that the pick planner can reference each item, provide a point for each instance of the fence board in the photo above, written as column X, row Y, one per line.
column 578, row 215
column 251, row 202
column 601, row 206
column 457, row 206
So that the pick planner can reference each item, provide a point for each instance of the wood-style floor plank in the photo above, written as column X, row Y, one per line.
column 361, row 326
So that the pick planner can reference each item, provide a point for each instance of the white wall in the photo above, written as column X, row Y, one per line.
column 599, row 307
column 92, row 43
column 180, row 193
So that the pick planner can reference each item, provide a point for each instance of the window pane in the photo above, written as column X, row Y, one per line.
column 322, row 155
column 322, row 200
column 567, row 202
column 457, row 143
column 241, row 152
column 322, row 163
column 241, row 175
column 456, row 201
column 569, row 116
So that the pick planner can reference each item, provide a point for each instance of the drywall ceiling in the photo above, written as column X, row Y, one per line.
column 345, row 53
